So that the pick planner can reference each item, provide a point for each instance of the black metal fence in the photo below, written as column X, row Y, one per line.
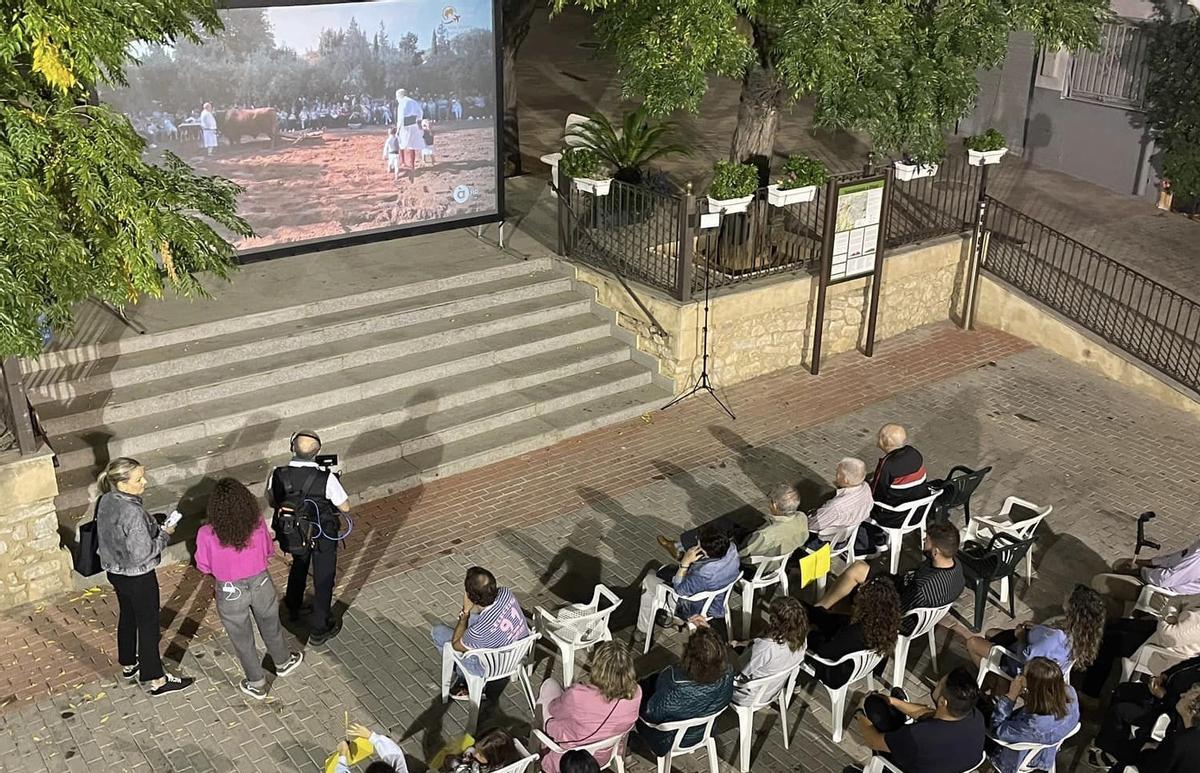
column 655, row 238
column 1126, row 308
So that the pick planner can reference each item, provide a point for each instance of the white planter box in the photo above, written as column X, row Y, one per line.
column 594, row 187
column 730, row 206
column 914, row 171
column 984, row 157
column 789, row 196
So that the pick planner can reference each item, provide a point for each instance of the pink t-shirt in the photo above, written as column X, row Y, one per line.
column 227, row 564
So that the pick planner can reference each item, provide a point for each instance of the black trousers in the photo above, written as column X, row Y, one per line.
column 1132, row 706
column 323, row 560
column 138, row 623
column 1121, row 639
column 882, row 714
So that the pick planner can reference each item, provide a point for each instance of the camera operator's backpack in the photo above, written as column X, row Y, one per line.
column 298, row 512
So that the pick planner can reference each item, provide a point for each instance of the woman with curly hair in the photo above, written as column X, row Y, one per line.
column 1071, row 641
column 779, row 649
column 702, row 684
column 873, row 624
column 234, row 547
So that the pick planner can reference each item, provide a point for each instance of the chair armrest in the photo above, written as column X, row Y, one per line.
column 810, row 655
column 602, row 591
column 1021, row 747
column 889, row 508
column 548, row 742
column 992, row 523
column 997, row 654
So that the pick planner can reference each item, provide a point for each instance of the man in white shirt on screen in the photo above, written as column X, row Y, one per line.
column 208, row 128
column 408, row 127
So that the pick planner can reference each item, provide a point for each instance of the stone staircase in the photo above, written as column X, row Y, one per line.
column 407, row 383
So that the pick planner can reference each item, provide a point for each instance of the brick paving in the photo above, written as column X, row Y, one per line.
column 554, row 522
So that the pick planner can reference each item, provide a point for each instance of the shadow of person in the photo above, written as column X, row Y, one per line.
column 578, row 561
column 767, row 467
column 705, row 502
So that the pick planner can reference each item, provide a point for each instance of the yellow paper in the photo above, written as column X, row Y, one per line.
column 814, row 566
column 360, row 749
column 451, row 749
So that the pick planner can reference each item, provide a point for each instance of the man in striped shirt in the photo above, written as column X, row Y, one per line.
column 899, row 476
column 491, row 617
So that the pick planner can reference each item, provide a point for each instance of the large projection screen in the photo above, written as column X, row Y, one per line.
column 345, row 121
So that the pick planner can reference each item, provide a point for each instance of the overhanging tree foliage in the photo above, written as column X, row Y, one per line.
column 81, row 213
column 1173, row 100
column 901, row 71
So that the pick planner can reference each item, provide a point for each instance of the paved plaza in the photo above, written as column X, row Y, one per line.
column 554, row 522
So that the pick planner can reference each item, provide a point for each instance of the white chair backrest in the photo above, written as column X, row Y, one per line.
column 918, row 510
column 709, row 597
column 1153, row 599
column 1024, row 529
column 580, row 624
column 756, row 693
column 842, row 544
column 503, row 661
column 681, row 728
column 927, row 618
column 523, row 761
column 593, row 748
column 767, row 569
column 863, row 661
column 573, row 120
column 1033, row 749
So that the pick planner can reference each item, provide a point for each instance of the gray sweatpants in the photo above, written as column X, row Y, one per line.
column 236, row 603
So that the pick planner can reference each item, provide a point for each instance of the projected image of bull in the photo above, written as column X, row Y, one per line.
column 338, row 118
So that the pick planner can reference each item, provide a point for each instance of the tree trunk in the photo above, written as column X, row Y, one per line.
column 758, row 119
column 517, row 16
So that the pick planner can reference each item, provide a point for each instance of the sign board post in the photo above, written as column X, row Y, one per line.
column 855, row 228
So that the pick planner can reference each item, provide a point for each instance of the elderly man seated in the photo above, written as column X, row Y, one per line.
column 1177, row 573
column 707, row 566
column 899, row 475
column 785, row 530
column 850, row 506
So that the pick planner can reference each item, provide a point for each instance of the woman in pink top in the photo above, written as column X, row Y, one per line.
column 590, row 712
column 234, row 547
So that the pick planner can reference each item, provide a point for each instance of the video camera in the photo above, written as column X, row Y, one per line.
column 328, row 463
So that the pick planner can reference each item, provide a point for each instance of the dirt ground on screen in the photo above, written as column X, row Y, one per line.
column 339, row 183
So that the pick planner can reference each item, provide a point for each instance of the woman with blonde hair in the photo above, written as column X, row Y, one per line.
column 1049, row 712
column 586, row 712
column 130, row 543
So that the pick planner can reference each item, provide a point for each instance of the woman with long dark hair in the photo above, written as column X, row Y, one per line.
column 234, row 547
column 873, row 624
column 130, row 542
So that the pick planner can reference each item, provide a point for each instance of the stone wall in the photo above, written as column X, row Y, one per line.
column 765, row 325
column 32, row 564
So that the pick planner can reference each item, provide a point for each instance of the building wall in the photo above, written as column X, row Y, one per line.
column 32, row 564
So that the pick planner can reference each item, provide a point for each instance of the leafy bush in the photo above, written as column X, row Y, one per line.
column 802, row 171
column 628, row 150
column 732, row 180
column 580, row 162
column 1173, row 103
column 988, row 141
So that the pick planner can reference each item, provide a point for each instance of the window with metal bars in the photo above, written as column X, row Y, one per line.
column 1115, row 72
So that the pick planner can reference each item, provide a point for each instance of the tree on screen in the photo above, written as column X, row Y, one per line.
column 82, row 215
column 898, row 70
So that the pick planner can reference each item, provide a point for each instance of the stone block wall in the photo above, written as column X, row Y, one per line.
column 32, row 563
column 767, row 324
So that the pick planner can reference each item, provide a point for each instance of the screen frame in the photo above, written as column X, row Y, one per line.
column 320, row 244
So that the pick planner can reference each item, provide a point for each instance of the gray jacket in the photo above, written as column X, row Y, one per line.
column 130, row 540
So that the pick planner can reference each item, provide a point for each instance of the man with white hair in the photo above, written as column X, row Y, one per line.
column 208, row 128
column 899, row 476
column 850, row 505
column 785, row 530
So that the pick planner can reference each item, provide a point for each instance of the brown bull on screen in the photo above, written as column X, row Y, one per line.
column 248, row 122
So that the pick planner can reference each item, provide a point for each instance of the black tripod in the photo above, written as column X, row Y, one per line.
column 703, row 383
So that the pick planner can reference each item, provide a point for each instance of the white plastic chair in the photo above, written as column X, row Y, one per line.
column 498, row 663
column 915, row 514
column 668, row 599
column 1147, row 597
column 614, row 745
column 577, row 627
column 927, row 620
column 1032, row 749
column 768, row 571
column 993, row 664
column 1150, row 659
column 863, row 663
column 678, row 748
column 522, row 764
column 983, row 526
column 841, row 546
column 759, row 694
column 569, row 140
column 879, row 764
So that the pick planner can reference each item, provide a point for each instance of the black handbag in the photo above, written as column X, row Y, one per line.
column 87, row 550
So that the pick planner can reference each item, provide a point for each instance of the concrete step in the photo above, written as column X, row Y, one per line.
column 331, row 359
column 420, row 419
column 439, row 280
column 252, row 343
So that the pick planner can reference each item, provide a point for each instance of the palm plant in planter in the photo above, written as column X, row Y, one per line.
column 798, row 182
column 629, row 149
column 986, row 148
column 733, row 187
column 584, row 167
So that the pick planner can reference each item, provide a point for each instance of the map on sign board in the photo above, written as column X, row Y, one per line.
column 857, row 233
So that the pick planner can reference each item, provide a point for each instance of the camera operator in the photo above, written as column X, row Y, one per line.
column 315, row 488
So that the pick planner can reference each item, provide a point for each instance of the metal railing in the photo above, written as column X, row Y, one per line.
column 1126, row 308
column 930, row 207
